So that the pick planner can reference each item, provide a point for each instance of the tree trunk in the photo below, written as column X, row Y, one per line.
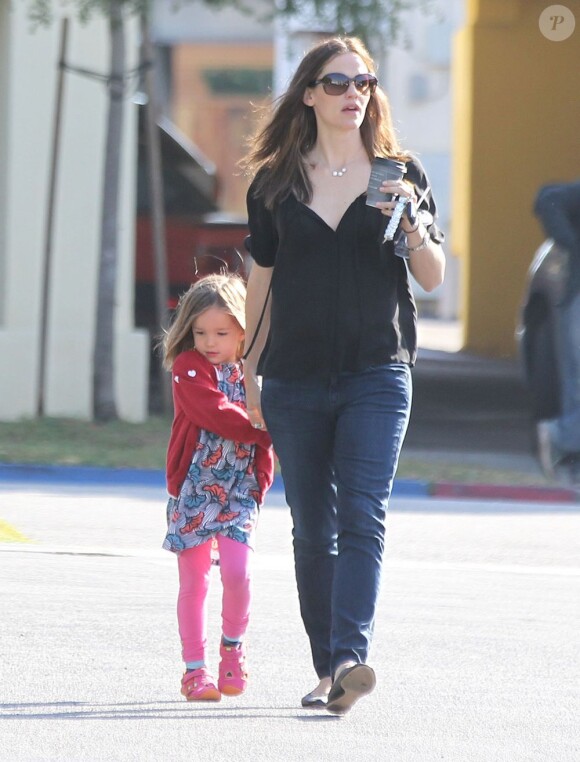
column 156, row 195
column 104, row 404
column 50, row 215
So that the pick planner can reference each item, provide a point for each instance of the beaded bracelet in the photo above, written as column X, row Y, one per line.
column 423, row 245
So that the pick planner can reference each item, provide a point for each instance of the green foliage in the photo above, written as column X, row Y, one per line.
column 118, row 444
column 41, row 12
column 62, row 441
column 375, row 21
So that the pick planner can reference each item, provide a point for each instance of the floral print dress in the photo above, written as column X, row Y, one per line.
column 220, row 493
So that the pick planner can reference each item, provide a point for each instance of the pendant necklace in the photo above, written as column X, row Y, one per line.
column 336, row 172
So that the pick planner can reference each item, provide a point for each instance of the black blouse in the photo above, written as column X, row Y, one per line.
column 341, row 300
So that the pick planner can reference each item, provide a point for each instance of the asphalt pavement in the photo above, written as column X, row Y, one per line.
column 475, row 649
column 476, row 645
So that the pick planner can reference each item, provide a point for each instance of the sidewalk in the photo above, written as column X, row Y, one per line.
column 475, row 640
column 28, row 474
column 469, row 436
column 473, row 412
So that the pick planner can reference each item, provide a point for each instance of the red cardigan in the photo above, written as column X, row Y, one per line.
column 198, row 404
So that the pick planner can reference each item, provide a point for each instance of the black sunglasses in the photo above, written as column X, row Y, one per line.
column 337, row 84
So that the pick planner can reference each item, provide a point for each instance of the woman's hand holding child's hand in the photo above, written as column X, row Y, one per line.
column 253, row 404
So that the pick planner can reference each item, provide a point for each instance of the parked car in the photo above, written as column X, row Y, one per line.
column 539, row 331
column 194, row 248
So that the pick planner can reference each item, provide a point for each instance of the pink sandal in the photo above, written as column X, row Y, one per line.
column 199, row 685
column 233, row 676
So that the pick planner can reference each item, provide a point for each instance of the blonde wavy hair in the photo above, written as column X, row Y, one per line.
column 227, row 292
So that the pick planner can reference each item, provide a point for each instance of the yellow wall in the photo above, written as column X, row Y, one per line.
column 516, row 126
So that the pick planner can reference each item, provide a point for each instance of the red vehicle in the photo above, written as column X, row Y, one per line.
column 199, row 238
column 193, row 250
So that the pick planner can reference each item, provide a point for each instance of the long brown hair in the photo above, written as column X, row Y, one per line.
column 283, row 142
column 227, row 292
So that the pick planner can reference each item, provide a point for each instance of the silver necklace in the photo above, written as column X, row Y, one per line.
column 335, row 172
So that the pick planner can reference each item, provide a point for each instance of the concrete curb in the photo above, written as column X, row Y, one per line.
column 51, row 474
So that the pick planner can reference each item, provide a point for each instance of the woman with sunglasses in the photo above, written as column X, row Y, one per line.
column 334, row 324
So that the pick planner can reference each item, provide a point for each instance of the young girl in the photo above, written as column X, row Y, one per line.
column 219, row 467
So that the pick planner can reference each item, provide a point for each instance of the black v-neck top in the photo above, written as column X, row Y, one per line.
column 341, row 300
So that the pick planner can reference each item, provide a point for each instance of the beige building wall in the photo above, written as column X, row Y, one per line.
column 219, row 124
column 29, row 66
column 4, row 58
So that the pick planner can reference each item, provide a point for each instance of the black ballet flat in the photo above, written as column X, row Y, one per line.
column 352, row 684
column 314, row 702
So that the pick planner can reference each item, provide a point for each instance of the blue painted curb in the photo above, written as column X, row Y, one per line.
column 401, row 488
column 411, row 488
column 33, row 473
column 49, row 474
column 139, row 477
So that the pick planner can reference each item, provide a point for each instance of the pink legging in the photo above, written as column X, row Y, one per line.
column 194, row 567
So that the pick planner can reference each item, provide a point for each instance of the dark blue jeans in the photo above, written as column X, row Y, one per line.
column 338, row 442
